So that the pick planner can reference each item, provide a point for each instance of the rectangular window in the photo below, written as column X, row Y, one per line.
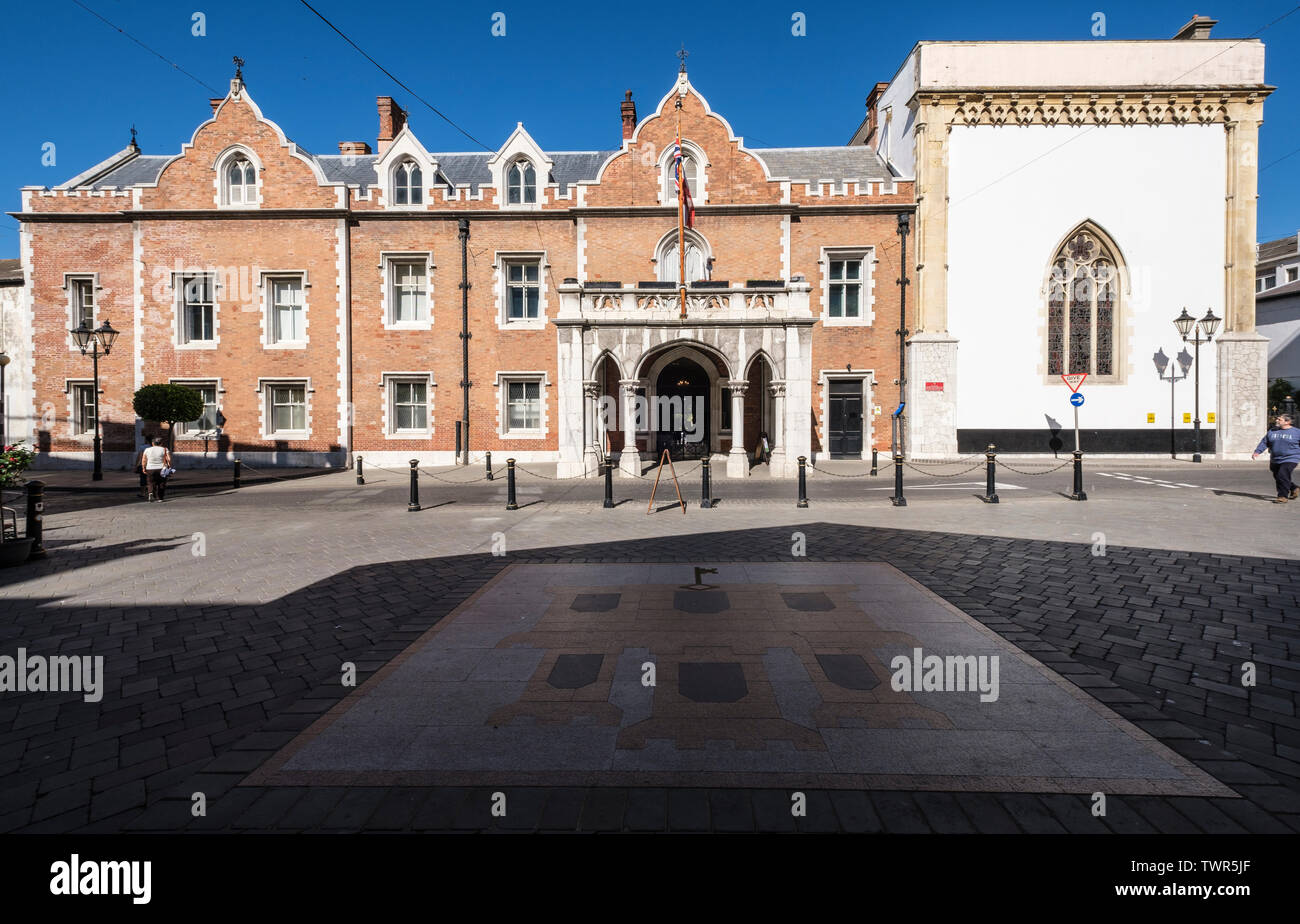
column 410, row 291
column 207, row 421
column 845, row 290
column 286, row 311
column 522, row 291
column 288, row 408
column 523, row 406
column 83, row 409
column 1292, row 273
column 410, row 407
column 198, row 309
column 83, row 302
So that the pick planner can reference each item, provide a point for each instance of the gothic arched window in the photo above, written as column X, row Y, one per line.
column 1083, row 292
column 521, row 183
column 240, row 180
column 408, row 184
column 697, row 259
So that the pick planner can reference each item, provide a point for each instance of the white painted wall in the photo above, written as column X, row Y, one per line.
column 16, row 341
column 1015, row 191
column 897, row 139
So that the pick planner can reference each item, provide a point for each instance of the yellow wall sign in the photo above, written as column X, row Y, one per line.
column 1187, row 417
column 1151, row 418
column 1210, row 417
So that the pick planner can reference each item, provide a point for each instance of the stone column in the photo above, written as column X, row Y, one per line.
column 737, row 459
column 590, row 427
column 777, row 466
column 1242, row 359
column 629, row 461
column 931, row 416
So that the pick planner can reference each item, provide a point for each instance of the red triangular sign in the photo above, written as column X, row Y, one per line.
column 1074, row 379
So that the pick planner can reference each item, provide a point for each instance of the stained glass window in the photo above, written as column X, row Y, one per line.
column 1082, row 303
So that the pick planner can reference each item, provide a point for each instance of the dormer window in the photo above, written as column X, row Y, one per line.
column 408, row 184
column 241, row 181
column 521, row 183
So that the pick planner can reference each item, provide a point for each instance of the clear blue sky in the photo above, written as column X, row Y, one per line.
column 561, row 68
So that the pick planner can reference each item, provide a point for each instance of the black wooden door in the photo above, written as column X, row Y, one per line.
column 844, row 434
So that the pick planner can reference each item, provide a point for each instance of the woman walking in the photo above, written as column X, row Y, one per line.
column 156, row 458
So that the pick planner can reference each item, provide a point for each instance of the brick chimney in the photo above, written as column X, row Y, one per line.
column 216, row 102
column 872, row 99
column 354, row 147
column 629, row 115
column 1197, row 28
column 391, row 119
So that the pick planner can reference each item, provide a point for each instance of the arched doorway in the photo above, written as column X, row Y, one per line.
column 679, row 410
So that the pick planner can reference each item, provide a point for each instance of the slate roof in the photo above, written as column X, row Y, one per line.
column 11, row 272
column 1276, row 250
column 1291, row 288
column 838, row 164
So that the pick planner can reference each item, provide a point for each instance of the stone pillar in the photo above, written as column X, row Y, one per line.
column 572, row 409
column 591, row 409
column 931, row 416
column 1241, row 409
column 777, row 467
column 629, row 461
column 737, row 459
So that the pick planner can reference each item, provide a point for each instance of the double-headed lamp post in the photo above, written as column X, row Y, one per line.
column 86, row 337
column 1205, row 329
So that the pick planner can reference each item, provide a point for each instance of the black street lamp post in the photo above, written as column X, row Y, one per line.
column 1205, row 329
column 1184, row 363
column 104, row 335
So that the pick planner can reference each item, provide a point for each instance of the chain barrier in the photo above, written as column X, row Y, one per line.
column 482, row 476
column 520, row 468
column 1046, row 471
column 963, row 471
column 957, row 461
column 267, row 474
column 823, row 471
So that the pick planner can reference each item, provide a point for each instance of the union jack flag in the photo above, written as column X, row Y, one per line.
column 682, row 186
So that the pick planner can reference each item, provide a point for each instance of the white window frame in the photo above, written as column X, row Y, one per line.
column 523, row 203
column 387, row 265
column 72, row 282
column 503, row 261
column 667, row 264
column 222, row 167
column 393, row 186
column 73, row 387
column 268, row 282
column 388, row 384
column 503, row 382
column 699, row 189
column 866, row 301
column 182, row 426
column 179, row 303
column 266, row 392
column 1291, row 273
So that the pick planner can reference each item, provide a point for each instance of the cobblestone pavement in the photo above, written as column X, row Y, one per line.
column 214, row 661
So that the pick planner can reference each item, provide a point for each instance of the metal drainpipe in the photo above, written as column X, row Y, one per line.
column 347, row 302
column 904, row 220
column 464, row 337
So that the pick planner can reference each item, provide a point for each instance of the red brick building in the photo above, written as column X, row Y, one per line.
column 316, row 300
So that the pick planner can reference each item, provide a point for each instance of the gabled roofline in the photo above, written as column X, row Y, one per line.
column 109, row 164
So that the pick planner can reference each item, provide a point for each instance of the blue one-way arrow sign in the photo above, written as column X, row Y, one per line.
column 1076, row 399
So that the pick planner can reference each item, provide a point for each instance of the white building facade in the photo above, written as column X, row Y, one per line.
column 1073, row 199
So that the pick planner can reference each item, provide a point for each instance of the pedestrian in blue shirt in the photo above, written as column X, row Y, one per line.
column 1283, row 445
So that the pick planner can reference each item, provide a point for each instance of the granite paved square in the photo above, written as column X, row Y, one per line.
column 539, row 678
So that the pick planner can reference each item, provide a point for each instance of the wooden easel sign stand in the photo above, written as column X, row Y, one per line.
column 666, row 458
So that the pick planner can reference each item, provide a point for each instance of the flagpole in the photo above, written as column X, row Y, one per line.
column 681, row 213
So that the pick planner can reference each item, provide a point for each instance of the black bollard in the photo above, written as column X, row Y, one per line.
column 609, row 485
column 706, row 489
column 360, row 477
column 990, row 485
column 511, row 504
column 874, row 469
column 898, row 500
column 1078, row 478
column 36, row 518
column 488, row 457
column 413, row 504
column 238, row 465
column 803, row 482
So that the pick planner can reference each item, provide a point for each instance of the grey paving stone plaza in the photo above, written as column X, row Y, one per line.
column 503, row 652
